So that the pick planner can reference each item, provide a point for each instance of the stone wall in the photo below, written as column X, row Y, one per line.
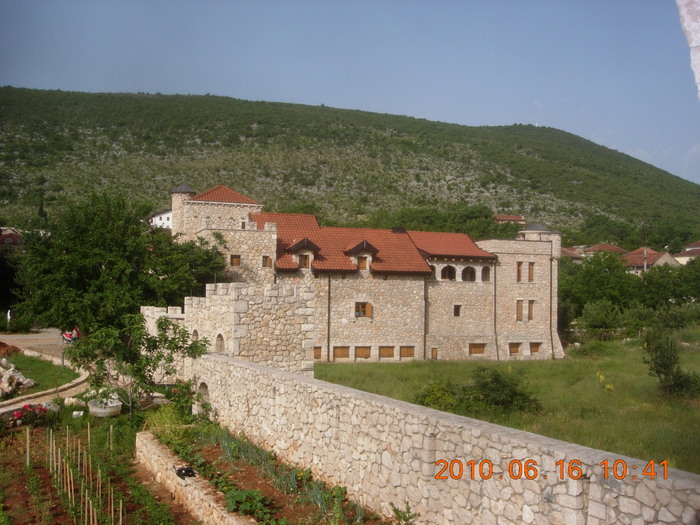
column 386, row 451
column 263, row 323
column 532, row 290
column 195, row 494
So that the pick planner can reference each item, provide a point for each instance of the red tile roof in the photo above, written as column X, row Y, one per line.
column 393, row 251
column 636, row 257
column 442, row 245
column 221, row 193
column 692, row 245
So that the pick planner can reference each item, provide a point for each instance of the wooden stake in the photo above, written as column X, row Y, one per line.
column 88, row 434
column 60, row 472
column 48, row 448
column 27, row 446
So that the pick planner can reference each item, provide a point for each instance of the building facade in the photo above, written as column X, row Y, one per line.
column 305, row 293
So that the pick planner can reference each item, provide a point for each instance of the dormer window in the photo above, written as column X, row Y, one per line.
column 362, row 262
column 303, row 260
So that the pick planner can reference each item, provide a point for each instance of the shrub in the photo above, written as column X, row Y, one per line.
column 664, row 364
column 601, row 319
column 491, row 392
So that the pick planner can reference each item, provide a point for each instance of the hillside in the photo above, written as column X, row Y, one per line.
column 341, row 164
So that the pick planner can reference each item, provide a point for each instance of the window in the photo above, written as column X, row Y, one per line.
column 235, row 260
column 513, row 348
column 362, row 263
column 407, row 351
column 477, row 348
column 362, row 352
column 317, row 353
column 242, row 225
column 303, row 261
column 530, row 310
column 519, row 271
column 341, row 352
column 486, row 274
column 363, row 309
column 386, row 351
column 457, row 310
column 469, row 274
column 535, row 347
column 266, row 261
column 519, row 310
column 530, row 272
column 433, row 353
column 448, row 273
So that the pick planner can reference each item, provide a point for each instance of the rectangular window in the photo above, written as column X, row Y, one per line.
column 519, row 271
column 433, row 353
column 235, row 260
column 530, row 310
column 519, row 310
column 457, row 310
column 317, row 353
column 362, row 352
column 266, row 261
column 362, row 263
column 242, row 225
column 341, row 352
column 386, row 351
column 407, row 351
column 477, row 348
column 530, row 272
column 513, row 348
column 535, row 348
column 303, row 261
column 363, row 309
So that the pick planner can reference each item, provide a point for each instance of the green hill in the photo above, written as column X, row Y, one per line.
column 344, row 165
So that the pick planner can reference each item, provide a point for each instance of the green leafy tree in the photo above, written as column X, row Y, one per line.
column 130, row 360
column 664, row 285
column 600, row 277
column 99, row 260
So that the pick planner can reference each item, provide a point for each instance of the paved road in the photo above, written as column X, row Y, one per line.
column 48, row 343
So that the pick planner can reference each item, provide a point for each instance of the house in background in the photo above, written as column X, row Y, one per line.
column 644, row 258
column 506, row 219
column 10, row 237
column 689, row 253
column 604, row 247
column 163, row 219
column 305, row 292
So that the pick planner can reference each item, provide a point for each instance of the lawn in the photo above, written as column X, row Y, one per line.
column 46, row 374
column 606, row 401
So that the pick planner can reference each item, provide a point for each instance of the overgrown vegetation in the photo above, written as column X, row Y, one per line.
column 492, row 392
column 46, row 374
column 341, row 164
column 663, row 359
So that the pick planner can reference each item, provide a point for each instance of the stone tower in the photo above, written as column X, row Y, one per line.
column 179, row 195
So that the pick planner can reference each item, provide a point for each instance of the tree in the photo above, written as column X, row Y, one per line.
column 98, row 261
column 664, row 285
column 600, row 277
column 130, row 360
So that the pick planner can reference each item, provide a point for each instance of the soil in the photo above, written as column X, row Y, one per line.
column 42, row 506
column 6, row 349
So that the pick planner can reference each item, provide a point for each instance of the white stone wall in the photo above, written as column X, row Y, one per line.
column 385, row 451
column 543, row 289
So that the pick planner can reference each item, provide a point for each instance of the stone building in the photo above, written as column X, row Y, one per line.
column 305, row 292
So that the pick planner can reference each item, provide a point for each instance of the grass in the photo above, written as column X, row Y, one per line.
column 604, row 399
column 46, row 374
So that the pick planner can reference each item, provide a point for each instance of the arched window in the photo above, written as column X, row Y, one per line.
column 195, row 335
column 220, row 346
column 486, row 274
column 469, row 274
column 448, row 273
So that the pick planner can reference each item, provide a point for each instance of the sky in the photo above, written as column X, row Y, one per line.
column 616, row 72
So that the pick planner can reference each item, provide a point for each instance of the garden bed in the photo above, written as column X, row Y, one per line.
column 233, row 473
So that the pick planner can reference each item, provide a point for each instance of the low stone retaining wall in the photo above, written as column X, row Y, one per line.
column 386, row 451
column 195, row 494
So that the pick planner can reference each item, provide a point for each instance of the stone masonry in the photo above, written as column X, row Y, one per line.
column 387, row 451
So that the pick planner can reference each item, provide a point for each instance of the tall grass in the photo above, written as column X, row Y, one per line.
column 601, row 396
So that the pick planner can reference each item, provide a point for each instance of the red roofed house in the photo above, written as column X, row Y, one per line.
column 689, row 253
column 306, row 292
column 642, row 259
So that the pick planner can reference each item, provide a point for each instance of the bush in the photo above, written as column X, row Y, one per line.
column 491, row 392
column 664, row 364
column 601, row 319
column 594, row 349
